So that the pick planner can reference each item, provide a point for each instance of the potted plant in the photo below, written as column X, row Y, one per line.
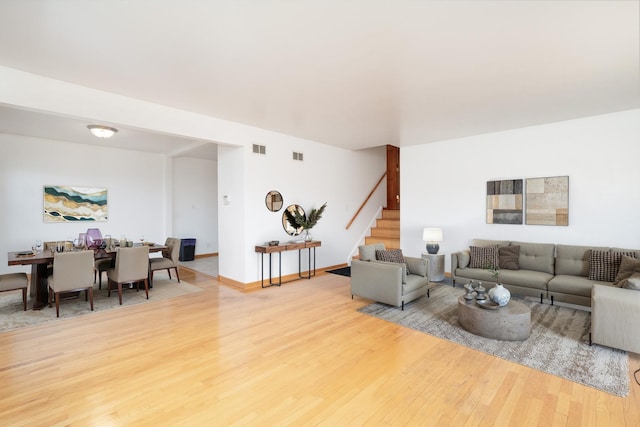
column 306, row 222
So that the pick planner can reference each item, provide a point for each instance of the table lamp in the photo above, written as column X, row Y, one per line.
column 432, row 236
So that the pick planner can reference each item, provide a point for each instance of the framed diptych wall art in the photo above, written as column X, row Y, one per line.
column 504, row 202
column 70, row 204
column 547, row 201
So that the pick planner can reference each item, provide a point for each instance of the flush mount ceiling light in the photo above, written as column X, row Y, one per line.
column 102, row 131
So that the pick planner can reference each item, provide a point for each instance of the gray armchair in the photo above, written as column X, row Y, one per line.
column 388, row 282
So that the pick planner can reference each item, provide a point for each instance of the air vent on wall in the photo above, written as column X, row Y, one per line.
column 259, row 149
column 298, row 156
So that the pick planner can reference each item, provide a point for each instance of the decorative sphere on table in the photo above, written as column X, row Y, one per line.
column 500, row 295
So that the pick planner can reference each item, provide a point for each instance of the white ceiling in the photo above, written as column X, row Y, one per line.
column 352, row 74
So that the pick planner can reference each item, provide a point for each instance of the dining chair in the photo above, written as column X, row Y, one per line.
column 13, row 282
column 132, row 267
column 71, row 273
column 101, row 265
column 169, row 259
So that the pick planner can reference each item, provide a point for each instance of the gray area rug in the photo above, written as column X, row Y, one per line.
column 558, row 345
column 12, row 315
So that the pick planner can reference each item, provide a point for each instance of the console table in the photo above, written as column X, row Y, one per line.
column 291, row 246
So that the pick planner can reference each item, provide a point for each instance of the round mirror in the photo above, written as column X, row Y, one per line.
column 288, row 220
column 273, row 201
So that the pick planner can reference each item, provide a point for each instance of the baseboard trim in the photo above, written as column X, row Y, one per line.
column 206, row 255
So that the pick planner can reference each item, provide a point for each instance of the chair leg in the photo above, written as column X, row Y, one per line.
column 99, row 281
column 95, row 274
column 57, row 304
column 50, row 296
column 109, row 282
column 24, row 298
column 90, row 290
column 177, row 274
column 169, row 271
column 146, row 287
column 120, row 292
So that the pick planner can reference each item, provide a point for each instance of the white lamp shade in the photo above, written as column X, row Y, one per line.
column 432, row 235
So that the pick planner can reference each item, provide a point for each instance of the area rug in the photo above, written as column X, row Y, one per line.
column 558, row 345
column 344, row 271
column 12, row 315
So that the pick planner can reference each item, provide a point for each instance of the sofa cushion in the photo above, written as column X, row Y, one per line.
column 633, row 282
column 574, row 260
column 483, row 256
column 628, row 267
column 368, row 252
column 537, row 256
column 603, row 265
column 485, row 242
column 572, row 285
column 508, row 257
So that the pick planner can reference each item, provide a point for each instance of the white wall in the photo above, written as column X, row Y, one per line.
column 341, row 178
column 444, row 184
column 195, row 202
column 136, row 196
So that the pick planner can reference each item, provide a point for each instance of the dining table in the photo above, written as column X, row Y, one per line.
column 41, row 260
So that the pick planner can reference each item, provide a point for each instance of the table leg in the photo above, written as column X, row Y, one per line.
column 39, row 286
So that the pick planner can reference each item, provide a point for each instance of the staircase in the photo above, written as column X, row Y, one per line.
column 387, row 230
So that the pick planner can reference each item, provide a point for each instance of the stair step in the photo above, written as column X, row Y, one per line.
column 391, row 214
column 388, row 223
column 388, row 243
column 385, row 232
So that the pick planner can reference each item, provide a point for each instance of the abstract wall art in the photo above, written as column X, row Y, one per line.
column 70, row 204
column 547, row 201
column 504, row 202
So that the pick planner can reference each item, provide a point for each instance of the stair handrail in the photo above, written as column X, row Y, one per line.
column 375, row 187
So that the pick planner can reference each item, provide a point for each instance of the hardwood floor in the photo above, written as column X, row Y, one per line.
column 296, row 355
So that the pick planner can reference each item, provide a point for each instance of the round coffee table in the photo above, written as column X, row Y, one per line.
column 509, row 323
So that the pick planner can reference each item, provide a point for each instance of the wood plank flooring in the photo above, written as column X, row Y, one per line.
column 296, row 355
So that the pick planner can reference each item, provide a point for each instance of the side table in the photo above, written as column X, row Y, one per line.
column 436, row 266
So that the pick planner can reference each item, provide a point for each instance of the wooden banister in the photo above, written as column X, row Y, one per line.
column 366, row 200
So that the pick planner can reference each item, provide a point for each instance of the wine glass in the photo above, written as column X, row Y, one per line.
column 39, row 245
column 142, row 239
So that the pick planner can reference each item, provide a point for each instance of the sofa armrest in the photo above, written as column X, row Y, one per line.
column 417, row 266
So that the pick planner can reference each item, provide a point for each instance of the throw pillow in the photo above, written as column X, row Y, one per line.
column 628, row 267
column 508, row 257
column 604, row 265
column 463, row 259
column 633, row 282
column 391, row 255
column 483, row 256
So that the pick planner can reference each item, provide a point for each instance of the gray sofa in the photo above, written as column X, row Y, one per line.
column 388, row 282
column 547, row 271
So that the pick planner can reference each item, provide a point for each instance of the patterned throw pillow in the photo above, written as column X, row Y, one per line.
column 393, row 255
column 604, row 265
column 390, row 255
column 483, row 256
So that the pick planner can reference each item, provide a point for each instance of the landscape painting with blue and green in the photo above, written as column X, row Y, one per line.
column 70, row 204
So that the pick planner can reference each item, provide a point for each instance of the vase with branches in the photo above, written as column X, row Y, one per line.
column 306, row 222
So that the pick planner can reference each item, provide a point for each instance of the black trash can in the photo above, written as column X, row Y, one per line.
column 187, row 249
